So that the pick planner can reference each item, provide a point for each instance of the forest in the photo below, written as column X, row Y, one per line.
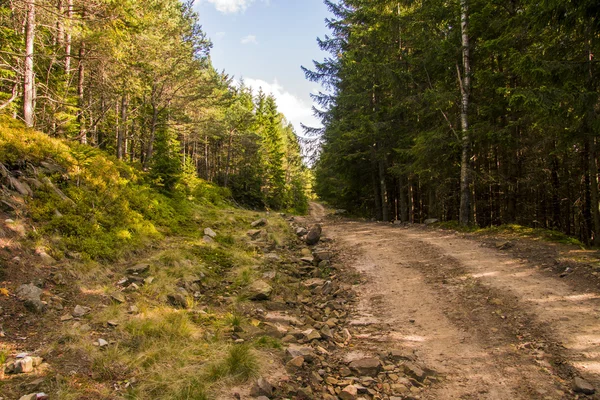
column 134, row 78
column 483, row 112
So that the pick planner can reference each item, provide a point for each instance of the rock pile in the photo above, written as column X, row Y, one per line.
column 310, row 313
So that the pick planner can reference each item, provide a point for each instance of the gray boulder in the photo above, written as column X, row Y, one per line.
column 314, row 235
column 259, row 290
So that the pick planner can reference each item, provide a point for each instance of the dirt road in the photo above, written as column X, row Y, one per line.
column 490, row 325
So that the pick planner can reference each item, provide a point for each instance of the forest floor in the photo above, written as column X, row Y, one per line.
column 492, row 317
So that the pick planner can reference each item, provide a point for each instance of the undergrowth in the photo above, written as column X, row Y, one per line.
column 515, row 229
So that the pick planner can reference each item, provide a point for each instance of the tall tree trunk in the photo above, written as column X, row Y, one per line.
column 80, row 93
column 122, row 130
column 403, row 189
column 153, row 128
column 230, row 143
column 385, row 213
column 68, row 37
column 28, row 75
column 465, row 174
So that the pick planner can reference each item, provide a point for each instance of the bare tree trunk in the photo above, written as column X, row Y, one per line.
column 28, row 75
column 228, row 158
column 153, row 127
column 465, row 83
column 60, row 25
column 385, row 214
column 80, row 93
column 403, row 188
column 68, row 37
column 121, row 132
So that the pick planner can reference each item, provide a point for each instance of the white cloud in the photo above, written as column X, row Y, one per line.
column 231, row 6
column 295, row 109
column 250, row 39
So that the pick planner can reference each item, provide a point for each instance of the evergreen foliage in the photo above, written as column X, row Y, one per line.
column 134, row 78
column 392, row 143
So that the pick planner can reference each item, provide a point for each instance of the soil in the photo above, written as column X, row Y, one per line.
column 508, row 323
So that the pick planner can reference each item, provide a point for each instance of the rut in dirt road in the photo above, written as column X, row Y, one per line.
column 492, row 326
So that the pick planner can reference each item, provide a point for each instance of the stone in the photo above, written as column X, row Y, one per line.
column 400, row 355
column 314, row 235
column 503, row 245
column 29, row 292
column 47, row 259
column 259, row 290
column 313, row 283
column 295, row 363
column 118, row 297
column 178, row 300
column 414, row 371
column 272, row 257
column 24, row 365
column 350, row 392
column 259, row 223
column 431, row 221
column 580, row 385
column 294, row 351
column 210, row 233
column 35, row 396
column 262, row 387
column 311, row 334
column 308, row 260
column 301, row 231
column 254, row 233
column 66, row 317
column 36, row 306
column 139, row 269
column 80, row 311
column 102, row 343
column 207, row 239
column 366, row 366
column 322, row 255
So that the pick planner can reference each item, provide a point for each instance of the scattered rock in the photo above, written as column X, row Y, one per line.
column 503, row 245
column 262, row 387
column 259, row 223
column 208, row 239
column 314, row 235
column 301, row 231
column 254, row 233
column 24, row 365
column 139, row 269
column 366, row 366
column 294, row 351
column 295, row 363
column 46, row 258
column 580, row 385
column 101, row 343
column 431, row 221
column 259, row 290
column 311, row 334
column 414, row 371
column 30, row 295
column 80, row 311
column 350, row 392
column 210, row 233
column 178, row 300
column 35, row 396
column 118, row 297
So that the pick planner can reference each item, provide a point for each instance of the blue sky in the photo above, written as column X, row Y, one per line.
column 265, row 42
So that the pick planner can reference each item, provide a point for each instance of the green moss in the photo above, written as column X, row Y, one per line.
column 97, row 205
